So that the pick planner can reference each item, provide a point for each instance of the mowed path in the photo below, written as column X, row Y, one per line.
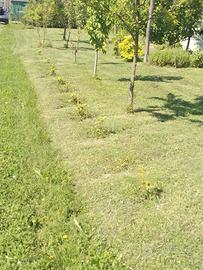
column 105, row 170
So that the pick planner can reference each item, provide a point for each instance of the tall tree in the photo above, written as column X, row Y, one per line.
column 148, row 31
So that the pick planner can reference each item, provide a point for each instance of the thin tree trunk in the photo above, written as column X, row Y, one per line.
column 75, row 54
column 133, row 70
column 96, row 62
column 188, row 43
column 77, row 45
column 69, row 34
column 148, row 31
column 135, row 58
column 64, row 32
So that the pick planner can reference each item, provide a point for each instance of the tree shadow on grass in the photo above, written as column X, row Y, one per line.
column 153, row 78
column 111, row 63
column 174, row 107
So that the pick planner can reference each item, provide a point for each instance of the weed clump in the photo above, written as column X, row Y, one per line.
column 147, row 189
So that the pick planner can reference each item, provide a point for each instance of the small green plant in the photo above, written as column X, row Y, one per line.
column 52, row 70
column 67, row 87
column 124, row 163
column 146, row 189
column 60, row 80
column 75, row 99
column 82, row 111
column 100, row 130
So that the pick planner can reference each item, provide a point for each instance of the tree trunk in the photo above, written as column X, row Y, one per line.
column 75, row 55
column 188, row 44
column 133, row 70
column 148, row 31
column 64, row 32
column 96, row 62
column 68, row 39
column 135, row 58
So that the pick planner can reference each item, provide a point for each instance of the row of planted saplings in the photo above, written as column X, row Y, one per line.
column 98, row 130
column 144, row 189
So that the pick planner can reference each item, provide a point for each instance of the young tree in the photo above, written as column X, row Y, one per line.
column 40, row 14
column 132, row 16
column 98, row 26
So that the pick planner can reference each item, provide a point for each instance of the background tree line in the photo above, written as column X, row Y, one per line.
column 159, row 21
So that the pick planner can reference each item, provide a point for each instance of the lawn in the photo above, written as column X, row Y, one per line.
column 39, row 222
column 139, row 175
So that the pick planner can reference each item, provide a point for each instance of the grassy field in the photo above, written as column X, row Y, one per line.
column 40, row 227
column 139, row 175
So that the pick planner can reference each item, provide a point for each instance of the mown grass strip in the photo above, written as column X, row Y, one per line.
column 38, row 206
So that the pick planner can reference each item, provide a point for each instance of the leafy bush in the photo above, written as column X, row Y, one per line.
column 196, row 59
column 126, row 49
column 174, row 57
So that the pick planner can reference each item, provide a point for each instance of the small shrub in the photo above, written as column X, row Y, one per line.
column 61, row 81
column 52, row 71
column 174, row 57
column 99, row 130
column 196, row 59
column 75, row 99
column 67, row 87
column 126, row 49
column 82, row 111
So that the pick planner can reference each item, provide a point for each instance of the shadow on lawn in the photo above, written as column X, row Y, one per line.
column 176, row 107
column 153, row 78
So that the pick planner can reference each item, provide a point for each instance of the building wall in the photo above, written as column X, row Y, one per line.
column 16, row 9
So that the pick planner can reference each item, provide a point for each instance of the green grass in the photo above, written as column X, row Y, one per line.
column 161, row 143
column 40, row 226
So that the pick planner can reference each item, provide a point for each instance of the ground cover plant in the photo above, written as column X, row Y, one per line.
column 153, row 223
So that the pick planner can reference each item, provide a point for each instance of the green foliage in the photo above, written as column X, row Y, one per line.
column 100, row 130
column 99, row 23
column 52, row 70
column 175, row 20
column 196, row 59
column 75, row 99
column 60, row 80
column 82, row 111
column 126, row 49
column 40, row 14
column 174, row 57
